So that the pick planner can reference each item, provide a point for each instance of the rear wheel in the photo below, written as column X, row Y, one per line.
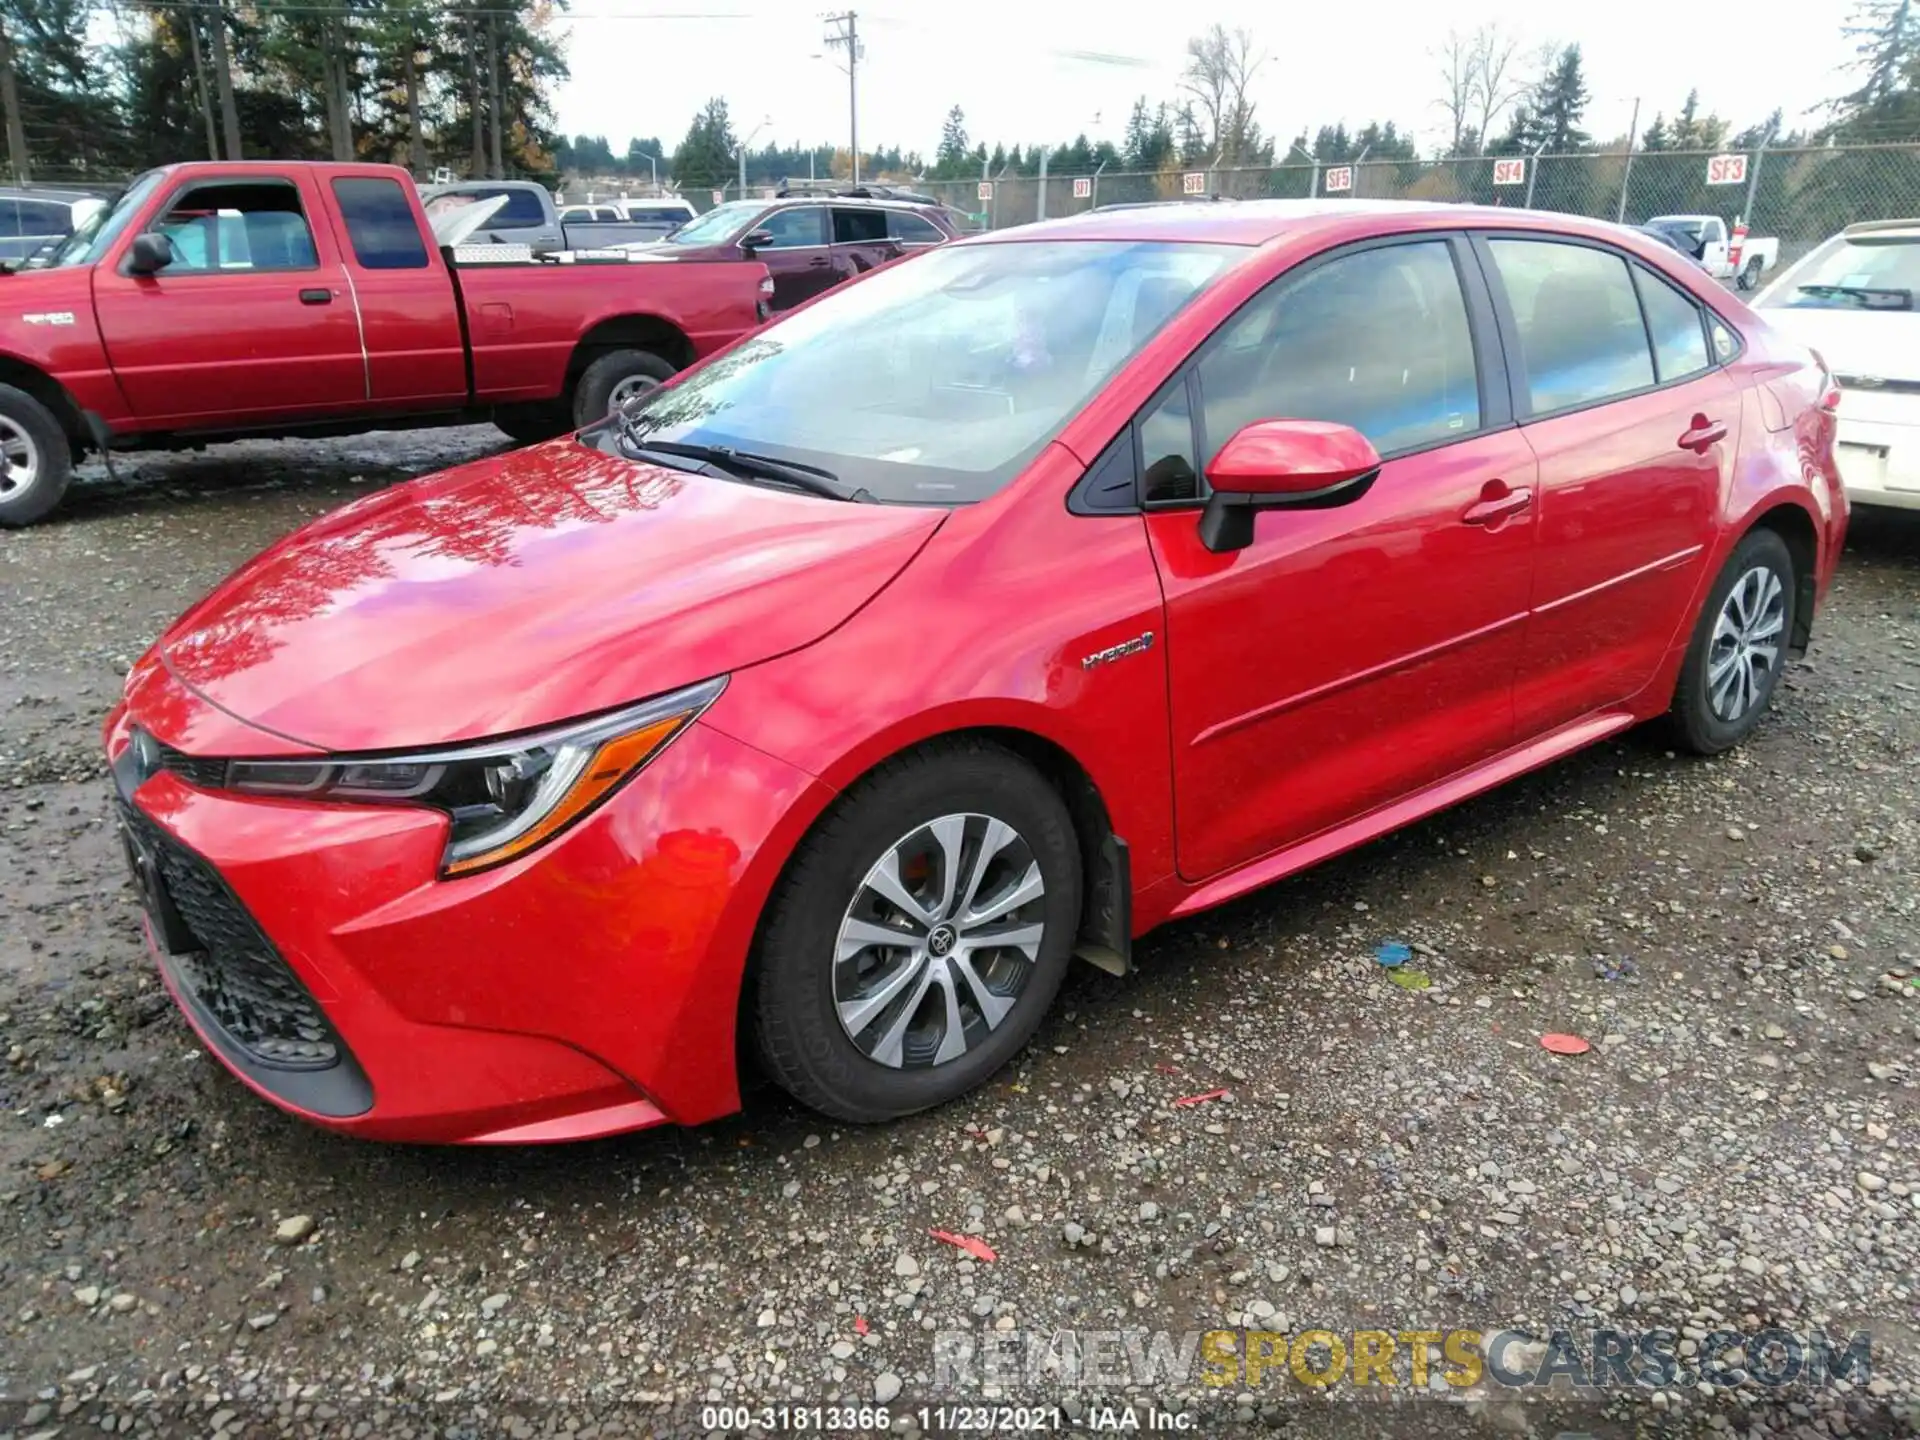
column 1750, row 276
column 1739, row 645
column 919, row 935
column 35, row 459
column 615, row 379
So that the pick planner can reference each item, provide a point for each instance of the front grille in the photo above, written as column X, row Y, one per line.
column 195, row 770
column 237, row 977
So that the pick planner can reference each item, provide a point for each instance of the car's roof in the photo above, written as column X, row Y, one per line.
column 1256, row 222
column 857, row 202
column 1867, row 227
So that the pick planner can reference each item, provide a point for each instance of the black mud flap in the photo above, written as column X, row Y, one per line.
column 1106, row 931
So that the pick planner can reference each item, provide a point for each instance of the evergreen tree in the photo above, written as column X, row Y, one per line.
column 704, row 160
column 1656, row 136
column 1559, row 103
column 950, row 160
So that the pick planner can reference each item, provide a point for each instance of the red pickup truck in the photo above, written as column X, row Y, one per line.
column 215, row 301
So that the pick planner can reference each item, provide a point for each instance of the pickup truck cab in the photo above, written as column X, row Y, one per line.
column 214, row 301
column 529, row 217
column 1705, row 239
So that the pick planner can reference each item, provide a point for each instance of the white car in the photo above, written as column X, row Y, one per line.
column 1853, row 300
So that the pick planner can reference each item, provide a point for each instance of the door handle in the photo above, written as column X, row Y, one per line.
column 1702, row 434
column 316, row 297
column 1497, row 502
column 819, row 262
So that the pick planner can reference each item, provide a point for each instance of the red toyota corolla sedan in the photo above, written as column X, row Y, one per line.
column 1001, row 606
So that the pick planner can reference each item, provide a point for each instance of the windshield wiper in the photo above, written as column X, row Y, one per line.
column 1870, row 297
column 744, row 464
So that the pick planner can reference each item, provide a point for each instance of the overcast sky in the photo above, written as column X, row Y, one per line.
column 1026, row 70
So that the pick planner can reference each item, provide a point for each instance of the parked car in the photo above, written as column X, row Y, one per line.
column 220, row 300
column 1852, row 298
column 32, row 218
column 810, row 243
column 529, row 217
column 657, row 217
column 1006, row 603
column 1704, row 238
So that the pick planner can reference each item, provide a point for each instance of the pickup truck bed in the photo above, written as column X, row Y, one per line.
column 313, row 299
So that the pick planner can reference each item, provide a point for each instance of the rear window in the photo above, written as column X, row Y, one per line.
column 913, row 229
column 523, row 210
column 1856, row 272
column 656, row 215
column 380, row 224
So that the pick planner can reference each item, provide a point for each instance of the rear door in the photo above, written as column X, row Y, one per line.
column 252, row 322
column 414, row 355
column 1634, row 422
column 861, row 240
column 913, row 232
column 796, row 253
column 1348, row 656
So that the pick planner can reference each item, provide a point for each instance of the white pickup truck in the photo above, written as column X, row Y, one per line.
column 1705, row 238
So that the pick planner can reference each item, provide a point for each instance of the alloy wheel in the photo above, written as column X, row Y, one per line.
column 626, row 391
column 939, row 941
column 19, row 459
column 1744, row 656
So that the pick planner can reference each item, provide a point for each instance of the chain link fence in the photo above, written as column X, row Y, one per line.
column 1800, row 196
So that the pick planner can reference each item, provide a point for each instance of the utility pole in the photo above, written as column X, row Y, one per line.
column 10, row 99
column 1633, row 133
column 223, row 80
column 846, row 33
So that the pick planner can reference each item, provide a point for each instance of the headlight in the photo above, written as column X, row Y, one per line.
column 504, row 797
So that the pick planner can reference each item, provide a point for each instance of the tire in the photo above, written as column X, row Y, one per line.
column 530, row 424
column 1745, row 587
column 1750, row 275
column 902, row 811
column 610, row 374
column 36, row 459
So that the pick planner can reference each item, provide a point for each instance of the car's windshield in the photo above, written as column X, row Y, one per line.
column 94, row 236
column 1854, row 272
column 936, row 380
column 718, row 224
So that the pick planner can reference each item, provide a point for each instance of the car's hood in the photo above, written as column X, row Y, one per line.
column 526, row 589
column 1870, row 344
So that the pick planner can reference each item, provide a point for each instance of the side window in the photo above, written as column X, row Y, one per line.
column 380, row 224
column 1166, row 449
column 9, row 218
column 523, row 210
column 39, row 217
column 238, row 226
column 859, row 227
column 1679, row 339
column 793, row 228
column 1725, row 347
column 912, row 229
column 1580, row 331
column 1377, row 340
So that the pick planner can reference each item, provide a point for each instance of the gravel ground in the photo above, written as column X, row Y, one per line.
column 1739, row 940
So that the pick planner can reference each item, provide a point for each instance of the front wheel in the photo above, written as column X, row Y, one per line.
column 919, row 935
column 1739, row 645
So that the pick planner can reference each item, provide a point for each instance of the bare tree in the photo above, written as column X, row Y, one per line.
column 1220, row 69
column 1499, row 76
column 10, row 99
column 223, row 78
column 1458, row 88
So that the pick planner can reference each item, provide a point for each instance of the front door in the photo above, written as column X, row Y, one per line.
column 253, row 322
column 1347, row 656
column 1635, row 441
column 796, row 253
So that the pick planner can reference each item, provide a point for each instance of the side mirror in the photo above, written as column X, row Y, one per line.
column 151, row 253
column 755, row 239
column 1283, row 465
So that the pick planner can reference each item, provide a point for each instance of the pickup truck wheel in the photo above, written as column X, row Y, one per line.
column 1750, row 276
column 612, row 380
column 919, row 934
column 35, row 459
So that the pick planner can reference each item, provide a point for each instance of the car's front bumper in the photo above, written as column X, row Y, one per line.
column 590, row 987
column 1877, row 446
